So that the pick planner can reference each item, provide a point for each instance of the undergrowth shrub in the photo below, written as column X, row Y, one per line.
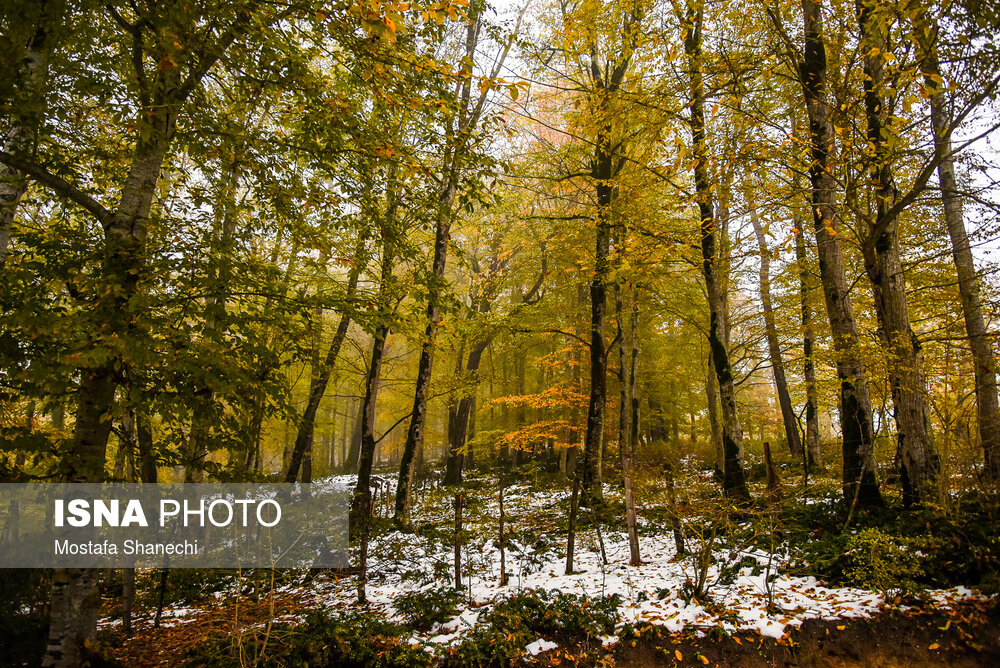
column 423, row 609
column 348, row 641
column 568, row 619
column 880, row 562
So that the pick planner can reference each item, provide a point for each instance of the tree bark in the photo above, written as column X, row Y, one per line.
column 860, row 479
column 984, row 365
column 361, row 502
column 712, row 397
column 605, row 165
column 319, row 382
column 29, row 105
column 773, row 344
column 813, row 446
column 733, row 480
column 459, row 418
column 628, row 447
column 919, row 460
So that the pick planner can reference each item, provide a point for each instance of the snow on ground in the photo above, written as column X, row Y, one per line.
column 652, row 593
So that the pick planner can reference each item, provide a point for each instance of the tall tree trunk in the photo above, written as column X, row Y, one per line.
column 360, row 514
column 459, row 132
column 359, row 519
column 319, row 382
column 773, row 345
column 984, row 365
column 216, row 317
column 29, row 107
column 418, row 416
column 607, row 161
column 860, row 479
column 733, row 480
column 919, row 459
column 808, row 365
column 75, row 599
column 590, row 483
column 624, row 400
column 628, row 448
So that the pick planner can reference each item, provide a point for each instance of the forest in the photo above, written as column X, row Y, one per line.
column 643, row 332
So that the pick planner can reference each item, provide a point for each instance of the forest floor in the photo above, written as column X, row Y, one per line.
column 759, row 604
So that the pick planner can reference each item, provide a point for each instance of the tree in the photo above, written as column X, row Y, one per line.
column 34, row 35
column 919, row 460
column 459, row 143
column 860, row 480
column 773, row 345
column 733, row 481
column 927, row 35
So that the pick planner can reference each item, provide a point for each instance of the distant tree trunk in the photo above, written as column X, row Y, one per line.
column 624, row 385
column 216, row 317
column 574, row 507
column 459, row 418
column 459, row 502
column 518, row 455
column 919, row 459
column 733, row 481
column 628, row 448
column 502, row 537
column 808, row 365
column 676, row 525
column 773, row 482
column 984, row 364
column 773, row 344
column 350, row 464
column 319, row 382
column 860, row 479
column 712, row 397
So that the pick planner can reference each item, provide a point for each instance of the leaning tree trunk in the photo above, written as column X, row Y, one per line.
column 981, row 347
column 773, row 345
column 361, row 501
column 418, row 416
column 919, row 460
column 360, row 513
column 733, row 480
column 860, row 479
column 319, row 382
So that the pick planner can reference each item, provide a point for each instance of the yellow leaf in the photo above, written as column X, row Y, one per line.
column 934, row 646
column 704, row 659
column 841, row 628
column 677, row 653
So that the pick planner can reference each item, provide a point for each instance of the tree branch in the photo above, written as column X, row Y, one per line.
column 58, row 185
